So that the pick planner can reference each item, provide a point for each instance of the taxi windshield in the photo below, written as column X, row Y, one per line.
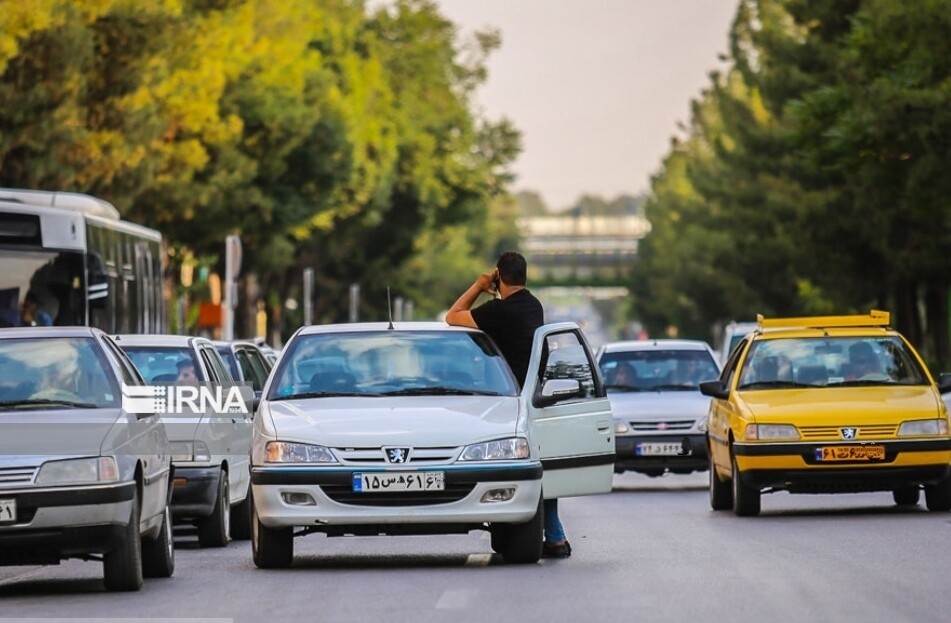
column 55, row 373
column 829, row 362
column 417, row 363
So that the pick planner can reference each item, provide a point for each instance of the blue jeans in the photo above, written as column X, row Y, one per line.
column 554, row 532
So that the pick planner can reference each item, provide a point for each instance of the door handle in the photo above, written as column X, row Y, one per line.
column 604, row 426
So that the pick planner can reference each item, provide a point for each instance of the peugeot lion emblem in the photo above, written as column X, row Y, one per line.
column 848, row 433
column 397, row 455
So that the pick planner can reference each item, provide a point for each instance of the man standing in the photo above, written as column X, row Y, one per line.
column 511, row 322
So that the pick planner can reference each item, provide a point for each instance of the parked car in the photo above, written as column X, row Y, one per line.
column 732, row 334
column 660, row 416
column 210, row 450
column 80, row 476
column 827, row 405
column 420, row 428
column 247, row 364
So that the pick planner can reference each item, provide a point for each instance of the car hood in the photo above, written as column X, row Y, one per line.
column 652, row 406
column 27, row 438
column 428, row 421
column 841, row 405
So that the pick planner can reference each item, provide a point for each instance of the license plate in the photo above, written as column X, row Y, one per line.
column 398, row 481
column 8, row 511
column 653, row 448
column 850, row 453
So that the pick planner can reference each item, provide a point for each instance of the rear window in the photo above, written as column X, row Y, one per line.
column 164, row 364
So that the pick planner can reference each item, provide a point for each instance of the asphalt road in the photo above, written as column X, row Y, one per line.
column 650, row 551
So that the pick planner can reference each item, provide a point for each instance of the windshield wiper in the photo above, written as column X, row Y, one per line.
column 45, row 402
column 626, row 388
column 437, row 391
column 673, row 387
column 775, row 385
column 304, row 395
column 865, row 383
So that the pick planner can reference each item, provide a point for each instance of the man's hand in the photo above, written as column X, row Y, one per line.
column 487, row 282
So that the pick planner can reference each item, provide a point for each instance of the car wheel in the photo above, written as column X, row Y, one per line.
column 499, row 535
column 721, row 493
column 213, row 531
column 938, row 495
column 122, row 567
column 241, row 519
column 522, row 543
column 158, row 554
column 906, row 496
column 271, row 548
column 746, row 500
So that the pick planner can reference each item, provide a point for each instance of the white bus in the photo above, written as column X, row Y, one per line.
column 67, row 259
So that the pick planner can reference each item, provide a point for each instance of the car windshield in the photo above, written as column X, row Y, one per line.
column 829, row 362
column 55, row 373
column 165, row 364
column 390, row 363
column 657, row 370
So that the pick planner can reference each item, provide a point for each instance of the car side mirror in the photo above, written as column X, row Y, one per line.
column 944, row 382
column 715, row 389
column 556, row 390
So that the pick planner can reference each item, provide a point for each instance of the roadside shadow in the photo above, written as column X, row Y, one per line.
column 51, row 587
column 386, row 561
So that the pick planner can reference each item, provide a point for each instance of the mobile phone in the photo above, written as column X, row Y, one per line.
column 495, row 284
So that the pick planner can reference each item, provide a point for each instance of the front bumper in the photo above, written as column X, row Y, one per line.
column 54, row 523
column 336, row 505
column 694, row 457
column 795, row 467
column 195, row 492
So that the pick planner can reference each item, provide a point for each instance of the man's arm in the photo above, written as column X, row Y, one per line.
column 460, row 313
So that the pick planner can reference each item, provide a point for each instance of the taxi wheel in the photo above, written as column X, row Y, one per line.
column 158, row 554
column 721, row 493
column 906, row 496
column 522, row 543
column 938, row 495
column 214, row 530
column 271, row 548
column 746, row 500
column 122, row 567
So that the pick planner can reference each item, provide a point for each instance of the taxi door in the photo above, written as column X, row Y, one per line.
column 569, row 415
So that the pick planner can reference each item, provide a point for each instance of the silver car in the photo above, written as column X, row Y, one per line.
column 80, row 475
column 659, row 412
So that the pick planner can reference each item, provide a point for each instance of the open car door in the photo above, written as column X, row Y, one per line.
column 569, row 413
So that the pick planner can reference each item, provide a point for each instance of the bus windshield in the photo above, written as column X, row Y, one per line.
column 41, row 288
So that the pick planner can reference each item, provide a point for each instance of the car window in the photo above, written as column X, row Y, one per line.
column 63, row 372
column 260, row 366
column 162, row 364
column 130, row 376
column 828, row 362
column 565, row 357
column 215, row 365
column 672, row 369
column 248, row 371
column 231, row 362
column 392, row 363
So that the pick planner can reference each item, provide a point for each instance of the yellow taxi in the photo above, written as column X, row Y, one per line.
column 827, row 405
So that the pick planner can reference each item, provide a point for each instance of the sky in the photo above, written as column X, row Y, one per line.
column 596, row 87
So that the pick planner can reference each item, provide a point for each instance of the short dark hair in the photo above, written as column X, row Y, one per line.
column 512, row 268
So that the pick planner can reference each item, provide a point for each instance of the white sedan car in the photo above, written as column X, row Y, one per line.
column 420, row 428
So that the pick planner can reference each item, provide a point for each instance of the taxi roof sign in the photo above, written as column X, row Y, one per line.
column 875, row 318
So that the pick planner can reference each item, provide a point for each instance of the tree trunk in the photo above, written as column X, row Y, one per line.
column 906, row 310
column 936, row 301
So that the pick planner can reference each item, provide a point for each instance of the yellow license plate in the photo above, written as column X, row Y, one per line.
column 850, row 453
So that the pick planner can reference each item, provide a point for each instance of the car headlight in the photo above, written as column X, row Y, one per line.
column 924, row 427
column 498, row 450
column 771, row 431
column 186, row 451
column 621, row 427
column 78, row 471
column 285, row 452
column 702, row 425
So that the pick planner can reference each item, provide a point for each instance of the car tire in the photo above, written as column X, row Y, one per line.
column 271, row 548
column 746, row 499
column 499, row 536
column 721, row 493
column 938, row 496
column 214, row 530
column 122, row 567
column 522, row 544
column 906, row 496
column 158, row 554
column 241, row 519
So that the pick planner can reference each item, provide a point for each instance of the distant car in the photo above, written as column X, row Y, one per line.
column 80, row 476
column 660, row 416
column 833, row 404
column 210, row 451
column 733, row 333
column 247, row 363
column 420, row 428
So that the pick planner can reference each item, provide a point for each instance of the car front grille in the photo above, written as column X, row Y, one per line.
column 12, row 476
column 666, row 425
column 377, row 456
column 344, row 494
column 876, row 431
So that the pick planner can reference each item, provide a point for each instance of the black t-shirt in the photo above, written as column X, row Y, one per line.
column 511, row 323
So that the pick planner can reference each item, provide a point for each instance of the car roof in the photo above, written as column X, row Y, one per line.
column 356, row 327
column 660, row 344
column 48, row 332
column 181, row 341
column 220, row 344
column 807, row 332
